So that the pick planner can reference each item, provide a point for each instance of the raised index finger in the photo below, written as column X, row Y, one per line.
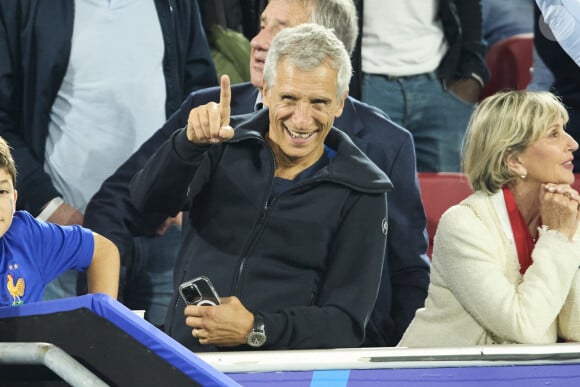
column 225, row 98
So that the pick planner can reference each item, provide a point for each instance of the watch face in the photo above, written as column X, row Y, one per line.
column 256, row 339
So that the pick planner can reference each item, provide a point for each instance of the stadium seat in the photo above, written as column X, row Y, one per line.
column 576, row 184
column 509, row 62
column 439, row 191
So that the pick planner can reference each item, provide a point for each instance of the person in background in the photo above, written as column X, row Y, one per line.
column 34, row 252
column 505, row 19
column 422, row 63
column 557, row 26
column 82, row 85
column 505, row 260
column 406, row 271
column 288, row 216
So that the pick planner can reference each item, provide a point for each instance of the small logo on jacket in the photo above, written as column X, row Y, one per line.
column 385, row 226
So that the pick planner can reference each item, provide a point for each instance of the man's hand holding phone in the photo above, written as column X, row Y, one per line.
column 219, row 321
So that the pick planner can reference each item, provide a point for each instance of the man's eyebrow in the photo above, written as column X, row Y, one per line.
column 320, row 99
column 275, row 20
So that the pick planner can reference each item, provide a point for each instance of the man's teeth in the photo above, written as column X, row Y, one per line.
column 299, row 135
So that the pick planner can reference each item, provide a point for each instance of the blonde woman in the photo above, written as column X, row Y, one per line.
column 505, row 260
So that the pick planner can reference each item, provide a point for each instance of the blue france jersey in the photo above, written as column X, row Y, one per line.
column 33, row 253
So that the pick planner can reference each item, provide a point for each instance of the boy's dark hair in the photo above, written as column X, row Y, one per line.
column 6, row 160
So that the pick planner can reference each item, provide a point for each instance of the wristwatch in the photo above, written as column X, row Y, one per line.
column 257, row 336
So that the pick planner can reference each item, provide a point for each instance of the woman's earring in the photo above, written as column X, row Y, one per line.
column 523, row 175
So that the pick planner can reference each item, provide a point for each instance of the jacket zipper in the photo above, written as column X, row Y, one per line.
column 257, row 230
column 259, row 227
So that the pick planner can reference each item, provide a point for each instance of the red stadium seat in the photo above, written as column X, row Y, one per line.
column 439, row 191
column 509, row 62
column 576, row 184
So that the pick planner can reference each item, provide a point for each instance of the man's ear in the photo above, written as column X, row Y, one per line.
column 341, row 104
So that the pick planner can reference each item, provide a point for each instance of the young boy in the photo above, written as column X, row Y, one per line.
column 32, row 253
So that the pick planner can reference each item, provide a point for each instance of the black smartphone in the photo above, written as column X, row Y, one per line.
column 199, row 291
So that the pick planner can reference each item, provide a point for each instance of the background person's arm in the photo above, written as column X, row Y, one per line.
column 406, row 260
column 471, row 72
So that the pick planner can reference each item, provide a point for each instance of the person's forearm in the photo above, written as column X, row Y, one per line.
column 471, row 63
column 103, row 273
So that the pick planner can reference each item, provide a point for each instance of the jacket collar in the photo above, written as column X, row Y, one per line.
column 350, row 166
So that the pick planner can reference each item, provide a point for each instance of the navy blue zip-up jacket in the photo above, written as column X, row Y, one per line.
column 35, row 45
column 308, row 259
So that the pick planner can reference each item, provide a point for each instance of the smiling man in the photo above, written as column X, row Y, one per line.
column 288, row 212
column 405, row 275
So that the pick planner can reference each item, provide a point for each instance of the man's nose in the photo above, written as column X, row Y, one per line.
column 302, row 116
column 261, row 41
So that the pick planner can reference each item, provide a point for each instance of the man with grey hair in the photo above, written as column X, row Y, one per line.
column 287, row 214
column 406, row 271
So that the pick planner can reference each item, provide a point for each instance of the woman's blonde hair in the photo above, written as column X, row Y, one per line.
column 505, row 124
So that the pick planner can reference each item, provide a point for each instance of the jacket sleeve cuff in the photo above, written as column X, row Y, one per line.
column 184, row 148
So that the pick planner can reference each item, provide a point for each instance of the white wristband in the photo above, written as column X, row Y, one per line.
column 478, row 79
column 50, row 208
